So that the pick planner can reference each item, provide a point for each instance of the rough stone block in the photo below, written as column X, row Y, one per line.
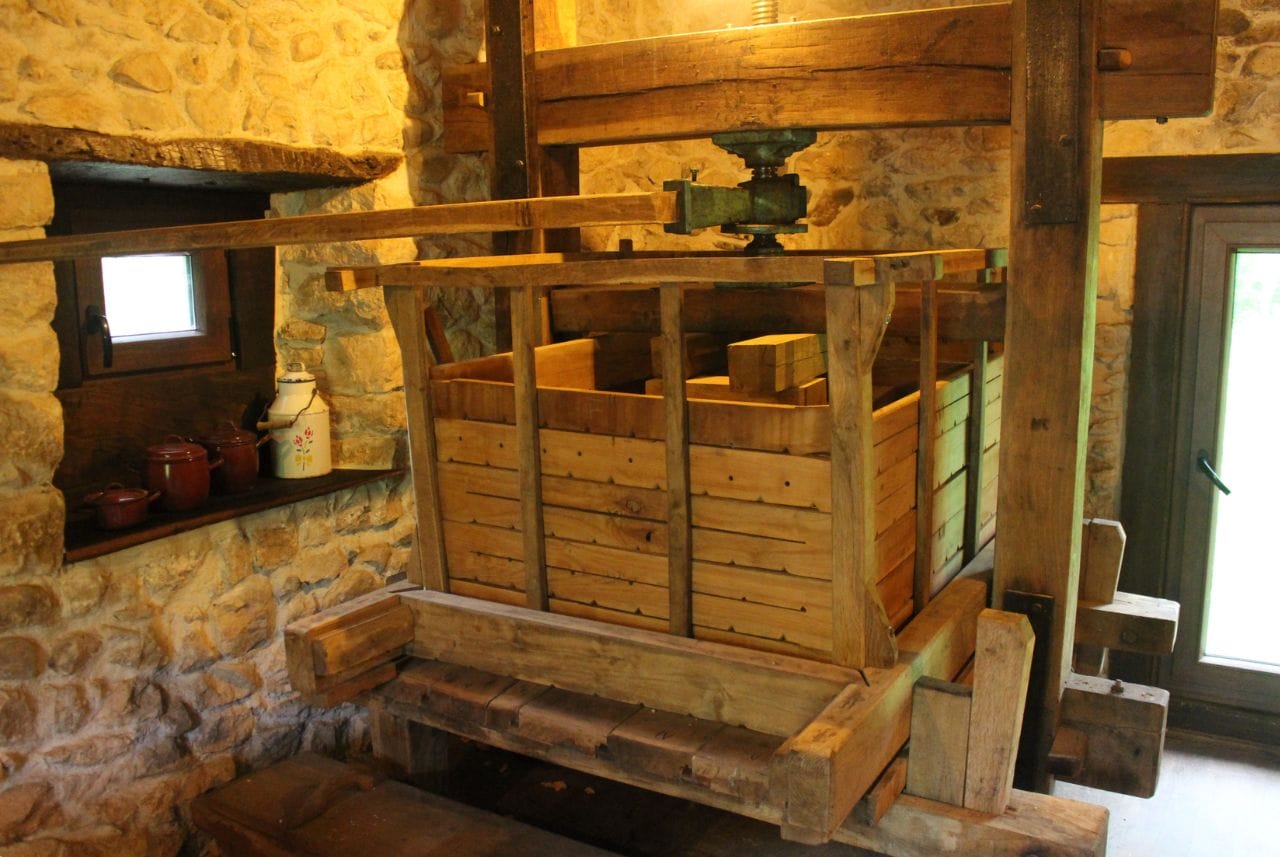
column 66, row 706
column 31, row 521
column 91, row 751
column 72, row 652
column 245, row 617
column 21, row 658
column 27, row 605
column 31, row 423
column 30, row 294
column 26, row 196
column 21, row 807
column 17, row 715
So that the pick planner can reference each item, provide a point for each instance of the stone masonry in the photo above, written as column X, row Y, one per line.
column 132, row 682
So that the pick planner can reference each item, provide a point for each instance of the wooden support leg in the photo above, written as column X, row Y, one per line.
column 524, row 326
column 409, row 751
column 974, row 447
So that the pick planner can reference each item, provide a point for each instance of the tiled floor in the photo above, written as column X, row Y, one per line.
column 1214, row 799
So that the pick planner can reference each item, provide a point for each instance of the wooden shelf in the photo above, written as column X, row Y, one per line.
column 84, row 540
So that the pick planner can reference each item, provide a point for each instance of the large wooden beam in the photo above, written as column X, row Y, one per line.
column 448, row 218
column 1049, row 328
column 926, row 67
column 774, row 694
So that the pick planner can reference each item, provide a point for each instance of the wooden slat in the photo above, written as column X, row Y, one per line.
column 826, row 768
column 1002, row 664
column 939, row 740
column 446, row 218
column 975, row 445
column 767, row 693
column 925, row 426
column 716, row 388
column 735, row 761
column 524, row 321
column 962, row 315
column 405, row 308
column 1179, row 179
column 680, row 546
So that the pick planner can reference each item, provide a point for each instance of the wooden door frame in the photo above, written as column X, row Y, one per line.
column 1166, row 190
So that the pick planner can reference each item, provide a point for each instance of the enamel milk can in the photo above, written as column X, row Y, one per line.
column 299, row 423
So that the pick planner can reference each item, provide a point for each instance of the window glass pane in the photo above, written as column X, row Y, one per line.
column 1244, row 577
column 148, row 294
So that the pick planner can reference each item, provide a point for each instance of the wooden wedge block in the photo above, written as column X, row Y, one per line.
column 939, row 740
column 1130, row 623
column 717, row 388
column 338, row 652
column 1124, row 727
column 775, row 362
column 1002, row 665
column 876, row 802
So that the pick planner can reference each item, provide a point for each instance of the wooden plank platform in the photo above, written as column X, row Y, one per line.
column 310, row 806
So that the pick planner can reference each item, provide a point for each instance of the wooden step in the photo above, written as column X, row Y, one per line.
column 310, row 806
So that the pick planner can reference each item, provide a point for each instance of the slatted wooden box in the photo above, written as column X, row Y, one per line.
column 760, row 485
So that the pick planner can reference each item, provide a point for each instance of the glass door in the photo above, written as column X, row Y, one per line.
column 1228, row 651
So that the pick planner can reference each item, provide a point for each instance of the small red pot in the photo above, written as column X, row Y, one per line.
column 117, row 507
column 238, row 449
column 179, row 470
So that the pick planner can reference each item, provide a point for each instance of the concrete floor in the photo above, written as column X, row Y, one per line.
column 1214, row 799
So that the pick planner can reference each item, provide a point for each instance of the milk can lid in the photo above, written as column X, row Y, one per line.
column 295, row 373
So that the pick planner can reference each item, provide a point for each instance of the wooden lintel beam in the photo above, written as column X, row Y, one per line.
column 550, row 212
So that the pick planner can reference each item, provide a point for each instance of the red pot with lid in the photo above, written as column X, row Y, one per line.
column 179, row 470
column 117, row 507
column 238, row 449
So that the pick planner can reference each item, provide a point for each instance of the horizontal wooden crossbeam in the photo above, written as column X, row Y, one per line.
column 924, row 67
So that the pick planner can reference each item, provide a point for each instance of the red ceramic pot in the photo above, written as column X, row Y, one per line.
column 117, row 507
column 239, row 452
column 179, row 470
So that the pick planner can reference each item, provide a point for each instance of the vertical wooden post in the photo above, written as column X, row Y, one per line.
column 975, row 444
column 1049, row 327
column 679, row 534
column 521, row 168
column 427, row 563
column 926, row 429
column 861, row 634
column 525, row 322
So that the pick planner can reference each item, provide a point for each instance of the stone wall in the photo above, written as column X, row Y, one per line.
column 919, row 188
column 132, row 682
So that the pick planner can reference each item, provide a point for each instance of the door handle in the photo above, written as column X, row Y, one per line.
column 1206, row 467
column 95, row 321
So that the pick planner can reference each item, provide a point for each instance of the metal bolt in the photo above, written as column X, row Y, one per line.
column 519, row 162
column 693, row 174
column 1128, row 637
column 1117, row 686
column 495, row 29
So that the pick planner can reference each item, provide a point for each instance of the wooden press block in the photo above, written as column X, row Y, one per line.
column 717, row 387
column 1124, row 728
column 659, row 742
column 704, row 354
column 939, row 740
column 775, row 362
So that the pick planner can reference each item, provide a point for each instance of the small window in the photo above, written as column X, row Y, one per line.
column 164, row 311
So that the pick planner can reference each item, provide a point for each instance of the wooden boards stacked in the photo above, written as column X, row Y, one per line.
column 760, row 506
